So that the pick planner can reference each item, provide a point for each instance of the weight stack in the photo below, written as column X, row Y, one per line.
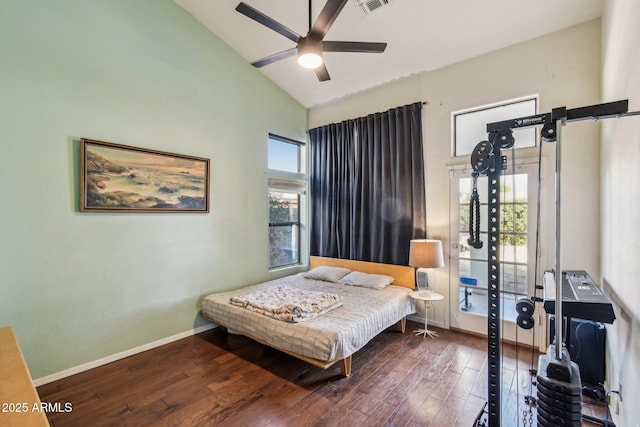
column 559, row 401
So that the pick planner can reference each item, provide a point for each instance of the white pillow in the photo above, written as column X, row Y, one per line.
column 326, row 273
column 373, row 281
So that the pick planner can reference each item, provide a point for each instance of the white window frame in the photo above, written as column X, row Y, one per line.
column 282, row 181
column 524, row 138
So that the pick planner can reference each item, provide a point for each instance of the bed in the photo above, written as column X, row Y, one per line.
column 334, row 336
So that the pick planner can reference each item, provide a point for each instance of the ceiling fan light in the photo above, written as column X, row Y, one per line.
column 310, row 60
column 310, row 52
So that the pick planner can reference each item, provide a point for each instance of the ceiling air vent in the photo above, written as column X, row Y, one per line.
column 368, row 6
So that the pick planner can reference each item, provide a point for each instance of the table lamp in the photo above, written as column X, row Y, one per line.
column 425, row 253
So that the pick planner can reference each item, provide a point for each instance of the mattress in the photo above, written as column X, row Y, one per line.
column 331, row 336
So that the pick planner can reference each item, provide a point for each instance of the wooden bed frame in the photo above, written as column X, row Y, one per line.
column 403, row 276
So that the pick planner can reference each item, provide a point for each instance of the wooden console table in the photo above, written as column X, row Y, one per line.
column 17, row 393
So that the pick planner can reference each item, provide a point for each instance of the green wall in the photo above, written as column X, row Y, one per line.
column 76, row 286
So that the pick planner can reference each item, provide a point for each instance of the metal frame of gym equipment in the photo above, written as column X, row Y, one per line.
column 487, row 159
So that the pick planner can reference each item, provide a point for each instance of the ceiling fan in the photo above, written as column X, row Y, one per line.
column 310, row 47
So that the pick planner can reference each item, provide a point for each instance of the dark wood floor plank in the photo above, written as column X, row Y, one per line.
column 465, row 383
column 353, row 418
column 425, row 414
column 218, row 379
column 385, row 378
column 414, row 401
column 445, row 385
column 450, row 410
column 461, row 359
column 366, row 363
column 156, row 391
column 480, row 387
column 413, row 379
column 470, row 410
column 203, row 412
column 334, row 415
column 308, row 410
column 381, row 412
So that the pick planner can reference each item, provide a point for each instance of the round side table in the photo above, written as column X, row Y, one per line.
column 427, row 297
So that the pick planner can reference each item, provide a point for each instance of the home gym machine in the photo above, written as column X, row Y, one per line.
column 556, row 371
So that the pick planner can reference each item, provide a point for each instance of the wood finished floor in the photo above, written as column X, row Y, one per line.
column 215, row 379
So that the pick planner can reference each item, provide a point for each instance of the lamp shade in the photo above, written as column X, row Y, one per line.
column 424, row 253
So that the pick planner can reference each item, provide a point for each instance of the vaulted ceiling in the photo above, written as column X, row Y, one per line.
column 421, row 35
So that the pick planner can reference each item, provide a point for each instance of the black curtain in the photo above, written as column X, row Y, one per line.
column 367, row 186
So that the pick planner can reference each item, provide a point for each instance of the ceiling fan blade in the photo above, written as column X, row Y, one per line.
column 366, row 47
column 275, row 57
column 322, row 73
column 329, row 14
column 263, row 19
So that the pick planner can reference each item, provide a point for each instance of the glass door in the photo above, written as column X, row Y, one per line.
column 517, row 251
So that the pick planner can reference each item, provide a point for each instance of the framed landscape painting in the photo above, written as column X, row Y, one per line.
column 120, row 178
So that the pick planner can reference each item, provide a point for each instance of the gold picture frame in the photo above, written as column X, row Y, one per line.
column 122, row 178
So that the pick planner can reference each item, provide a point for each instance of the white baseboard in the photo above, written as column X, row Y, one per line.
column 420, row 319
column 103, row 361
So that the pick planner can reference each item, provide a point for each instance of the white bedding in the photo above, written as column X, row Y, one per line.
column 331, row 336
column 288, row 304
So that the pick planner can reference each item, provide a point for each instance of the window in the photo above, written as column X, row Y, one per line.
column 470, row 126
column 284, row 154
column 284, row 228
column 287, row 187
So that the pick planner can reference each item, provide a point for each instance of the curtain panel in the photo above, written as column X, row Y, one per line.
column 367, row 186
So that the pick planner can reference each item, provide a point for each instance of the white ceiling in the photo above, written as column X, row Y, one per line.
column 422, row 35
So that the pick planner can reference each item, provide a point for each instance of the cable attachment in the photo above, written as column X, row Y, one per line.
column 474, row 215
column 482, row 161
